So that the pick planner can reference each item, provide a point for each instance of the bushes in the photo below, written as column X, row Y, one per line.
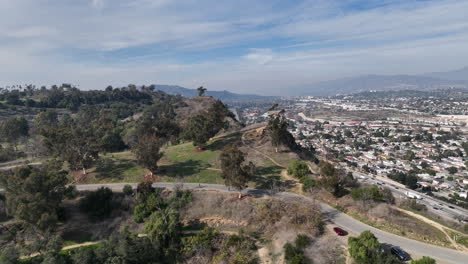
column 203, row 241
column 366, row 249
column 409, row 180
column 97, row 205
column 298, row 169
column 294, row 254
column 424, row 260
column 238, row 249
column 413, row 205
column 372, row 193
column 127, row 189
column 307, row 183
column 150, row 199
column 9, row 153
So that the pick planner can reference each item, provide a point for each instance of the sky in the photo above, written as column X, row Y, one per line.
column 267, row 47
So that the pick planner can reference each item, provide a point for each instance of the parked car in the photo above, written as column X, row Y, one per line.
column 339, row 231
column 400, row 254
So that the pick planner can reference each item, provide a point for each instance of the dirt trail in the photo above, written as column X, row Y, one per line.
column 261, row 153
column 441, row 227
column 65, row 248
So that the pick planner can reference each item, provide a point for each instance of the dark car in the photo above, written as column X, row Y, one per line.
column 451, row 207
column 400, row 254
column 339, row 231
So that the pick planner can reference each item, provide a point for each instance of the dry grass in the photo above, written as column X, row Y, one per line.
column 264, row 215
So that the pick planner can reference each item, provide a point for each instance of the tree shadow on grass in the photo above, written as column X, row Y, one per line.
column 268, row 178
column 182, row 169
column 221, row 142
column 115, row 169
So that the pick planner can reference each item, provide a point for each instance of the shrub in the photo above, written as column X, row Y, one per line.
column 127, row 189
column 424, row 260
column 294, row 254
column 372, row 193
column 98, row 204
column 298, row 169
column 307, row 183
column 413, row 205
column 71, row 192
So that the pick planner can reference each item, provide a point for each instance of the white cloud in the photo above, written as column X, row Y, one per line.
column 319, row 40
column 260, row 56
column 97, row 3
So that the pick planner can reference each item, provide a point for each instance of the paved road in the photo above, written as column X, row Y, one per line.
column 350, row 224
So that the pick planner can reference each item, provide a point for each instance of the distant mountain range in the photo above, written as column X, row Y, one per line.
column 457, row 75
column 430, row 81
column 222, row 95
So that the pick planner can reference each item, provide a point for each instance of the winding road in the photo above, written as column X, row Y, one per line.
column 415, row 248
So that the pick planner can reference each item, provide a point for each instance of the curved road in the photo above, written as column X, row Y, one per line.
column 352, row 225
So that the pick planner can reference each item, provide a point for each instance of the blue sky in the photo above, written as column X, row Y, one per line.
column 263, row 46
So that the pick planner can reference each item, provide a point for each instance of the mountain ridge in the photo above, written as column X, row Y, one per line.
column 222, row 95
column 378, row 82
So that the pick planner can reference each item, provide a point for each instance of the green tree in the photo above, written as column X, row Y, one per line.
column 452, row 170
column 84, row 255
column 298, row 169
column 97, row 204
column 294, row 253
column 164, row 231
column 203, row 126
column 424, row 260
column 9, row 255
column 278, row 131
column 465, row 147
column 13, row 129
column 34, row 195
column 127, row 189
column 159, row 120
column 348, row 133
column 365, row 249
column 332, row 179
column 125, row 247
column 76, row 141
column 410, row 155
column 147, row 151
column 199, row 130
column 234, row 172
column 45, row 122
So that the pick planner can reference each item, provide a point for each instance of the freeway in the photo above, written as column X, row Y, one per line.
column 350, row 224
column 437, row 206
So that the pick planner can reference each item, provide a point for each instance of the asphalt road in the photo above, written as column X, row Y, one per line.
column 348, row 223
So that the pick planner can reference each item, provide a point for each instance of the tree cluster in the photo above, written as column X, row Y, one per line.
column 203, row 126
column 34, row 195
column 333, row 180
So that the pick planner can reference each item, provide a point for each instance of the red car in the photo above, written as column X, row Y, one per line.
column 339, row 231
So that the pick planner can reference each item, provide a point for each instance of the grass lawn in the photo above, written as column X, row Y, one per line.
column 180, row 163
